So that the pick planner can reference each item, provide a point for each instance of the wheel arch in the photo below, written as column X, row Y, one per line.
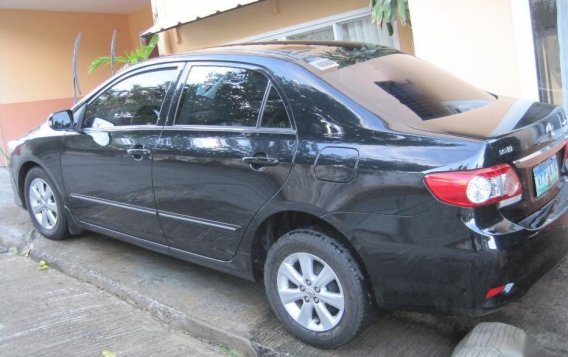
column 278, row 222
column 21, row 179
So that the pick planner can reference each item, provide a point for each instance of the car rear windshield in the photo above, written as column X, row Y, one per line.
column 394, row 85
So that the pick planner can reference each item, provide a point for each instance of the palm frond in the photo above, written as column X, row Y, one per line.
column 97, row 62
column 388, row 12
column 4, row 154
column 139, row 54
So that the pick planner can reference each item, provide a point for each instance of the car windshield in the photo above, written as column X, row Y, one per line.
column 381, row 79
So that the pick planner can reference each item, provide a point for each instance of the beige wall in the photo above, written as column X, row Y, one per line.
column 36, row 61
column 476, row 40
column 37, row 52
column 139, row 21
column 259, row 18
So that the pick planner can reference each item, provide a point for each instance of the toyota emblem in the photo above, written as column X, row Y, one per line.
column 550, row 130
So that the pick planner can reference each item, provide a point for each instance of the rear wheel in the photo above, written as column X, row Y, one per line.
column 316, row 288
column 45, row 205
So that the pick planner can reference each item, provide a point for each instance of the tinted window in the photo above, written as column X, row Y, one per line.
column 274, row 115
column 136, row 100
column 395, row 86
column 221, row 96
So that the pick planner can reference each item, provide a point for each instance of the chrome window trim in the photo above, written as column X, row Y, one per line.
column 124, row 128
column 232, row 129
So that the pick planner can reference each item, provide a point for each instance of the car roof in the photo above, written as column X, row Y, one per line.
column 293, row 51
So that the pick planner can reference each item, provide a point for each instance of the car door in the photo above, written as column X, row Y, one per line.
column 107, row 163
column 227, row 151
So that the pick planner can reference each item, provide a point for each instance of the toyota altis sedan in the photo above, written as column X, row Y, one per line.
column 345, row 176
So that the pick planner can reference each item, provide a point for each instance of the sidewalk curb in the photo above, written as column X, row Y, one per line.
column 159, row 311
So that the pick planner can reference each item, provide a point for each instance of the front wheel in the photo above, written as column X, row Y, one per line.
column 45, row 205
column 316, row 288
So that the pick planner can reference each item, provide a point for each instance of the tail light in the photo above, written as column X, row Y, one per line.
column 475, row 188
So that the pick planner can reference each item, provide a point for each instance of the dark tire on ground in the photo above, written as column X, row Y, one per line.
column 57, row 230
column 357, row 298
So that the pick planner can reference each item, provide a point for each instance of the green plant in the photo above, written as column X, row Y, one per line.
column 4, row 154
column 390, row 11
column 138, row 54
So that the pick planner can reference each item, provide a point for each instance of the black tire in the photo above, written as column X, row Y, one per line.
column 60, row 229
column 357, row 299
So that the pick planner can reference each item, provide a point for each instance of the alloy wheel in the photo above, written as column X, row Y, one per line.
column 43, row 204
column 310, row 292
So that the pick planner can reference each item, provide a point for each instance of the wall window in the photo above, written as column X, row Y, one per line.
column 544, row 16
column 363, row 30
column 321, row 34
column 351, row 26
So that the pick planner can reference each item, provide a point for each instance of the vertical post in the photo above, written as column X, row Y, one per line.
column 76, row 87
column 112, row 52
column 562, row 25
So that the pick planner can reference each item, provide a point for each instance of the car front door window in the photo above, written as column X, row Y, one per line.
column 136, row 100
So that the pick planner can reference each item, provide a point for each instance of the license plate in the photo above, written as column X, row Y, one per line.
column 546, row 175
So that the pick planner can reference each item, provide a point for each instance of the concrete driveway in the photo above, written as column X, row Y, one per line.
column 233, row 312
column 46, row 313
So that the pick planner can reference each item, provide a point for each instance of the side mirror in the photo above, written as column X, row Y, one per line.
column 62, row 120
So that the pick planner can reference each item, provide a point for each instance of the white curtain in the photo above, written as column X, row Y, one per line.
column 322, row 34
column 363, row 30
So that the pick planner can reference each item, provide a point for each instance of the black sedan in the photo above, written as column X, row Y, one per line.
column 345, row 176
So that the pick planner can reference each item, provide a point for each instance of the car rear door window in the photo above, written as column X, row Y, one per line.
column 136, row 100
column 274, row 114
column 225, row 96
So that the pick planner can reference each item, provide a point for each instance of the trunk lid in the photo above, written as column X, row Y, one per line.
column 523, row 134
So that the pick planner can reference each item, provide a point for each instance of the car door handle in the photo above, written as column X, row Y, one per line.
column 260, row 160
column 139, row 153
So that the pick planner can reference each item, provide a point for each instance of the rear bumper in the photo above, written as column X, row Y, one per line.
column 456, row 281
column 527, row 262
column 455, row 277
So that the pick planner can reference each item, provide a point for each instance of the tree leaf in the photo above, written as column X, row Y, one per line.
column 403, row 12
column 389, row 12
column 97, row 62
column 154, row 41
column 4, row 154
column 107, row 353
column 390, row 28
column 139, row 54
column 43, row 265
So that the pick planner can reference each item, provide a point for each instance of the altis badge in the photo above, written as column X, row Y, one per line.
column 506, row 150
